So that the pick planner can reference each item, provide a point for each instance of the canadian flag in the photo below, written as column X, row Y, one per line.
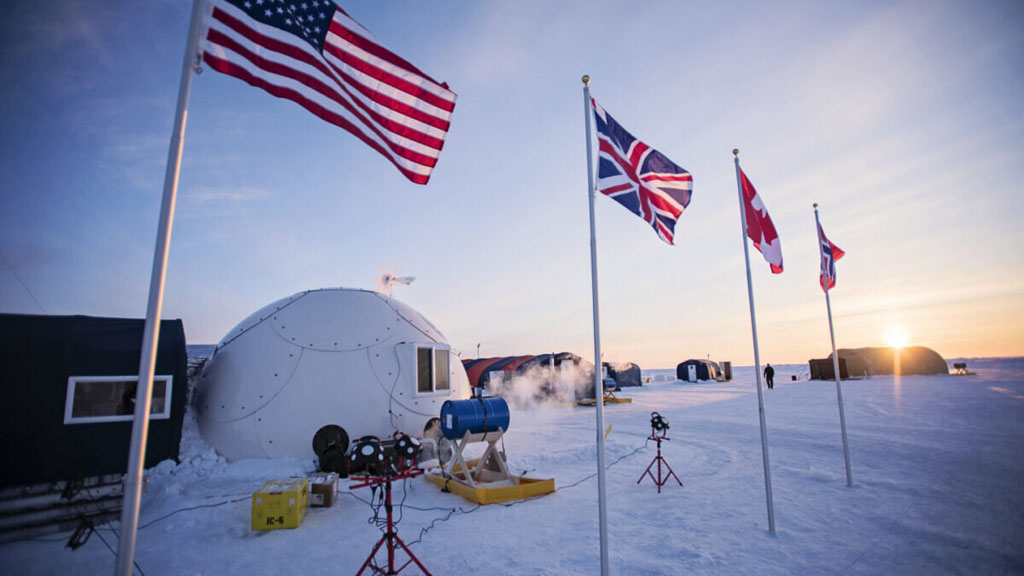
column 759, row 226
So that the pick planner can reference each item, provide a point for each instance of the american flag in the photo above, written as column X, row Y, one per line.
column 760, row 228
column 829, row 254
column 639, row 177
column 313, row 53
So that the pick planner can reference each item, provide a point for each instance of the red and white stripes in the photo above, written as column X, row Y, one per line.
column 356, row 83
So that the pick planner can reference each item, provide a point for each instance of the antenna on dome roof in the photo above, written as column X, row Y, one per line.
column 387, row 280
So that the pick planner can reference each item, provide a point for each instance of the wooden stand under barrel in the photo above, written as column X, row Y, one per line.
column 485, row 480
column 458, row 468
column 608, row 398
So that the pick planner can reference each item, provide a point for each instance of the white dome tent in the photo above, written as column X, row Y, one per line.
column 353, row 358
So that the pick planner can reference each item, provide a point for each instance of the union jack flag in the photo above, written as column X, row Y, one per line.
column 639, row 177
column 829, row 254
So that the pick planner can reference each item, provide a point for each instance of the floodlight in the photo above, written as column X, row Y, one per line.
column 368, row 455
column 658, row 422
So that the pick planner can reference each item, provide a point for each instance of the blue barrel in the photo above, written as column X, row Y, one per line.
column 477, row 415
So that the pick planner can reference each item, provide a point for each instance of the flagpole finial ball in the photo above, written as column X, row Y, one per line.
column 735, row 151
column 586, row 79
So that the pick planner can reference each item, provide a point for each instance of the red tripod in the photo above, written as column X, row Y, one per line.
column 391, row 536
column 659, row 480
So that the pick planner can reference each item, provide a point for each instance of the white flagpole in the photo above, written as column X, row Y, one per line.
column 757, row 357
column 151, row 334
column 835, row 360
column 598, row 385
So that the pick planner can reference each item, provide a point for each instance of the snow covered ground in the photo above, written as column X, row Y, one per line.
column 938, row 467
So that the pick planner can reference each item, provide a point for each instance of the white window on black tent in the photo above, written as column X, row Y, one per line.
column 94, row 399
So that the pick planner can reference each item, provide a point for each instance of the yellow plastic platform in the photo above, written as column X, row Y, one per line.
column 502, row 489
column 607, row 400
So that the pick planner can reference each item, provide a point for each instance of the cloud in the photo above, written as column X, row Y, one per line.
column 135, row 160
column 226, row 214
column 42, row 30
column 204, row 195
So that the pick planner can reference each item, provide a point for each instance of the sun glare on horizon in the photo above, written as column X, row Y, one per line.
column 896, row 336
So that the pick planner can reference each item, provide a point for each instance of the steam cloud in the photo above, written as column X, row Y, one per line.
column 543, row 385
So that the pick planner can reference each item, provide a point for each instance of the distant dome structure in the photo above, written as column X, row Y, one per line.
column 335, row 356
column 913, row 360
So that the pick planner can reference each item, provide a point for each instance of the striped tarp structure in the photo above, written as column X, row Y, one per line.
column 478, row 370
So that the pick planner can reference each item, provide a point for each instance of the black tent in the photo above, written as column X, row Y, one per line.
column 69, row 384
column 882, row 360
column 823, row 369
column 706, row 369
column 627, row 374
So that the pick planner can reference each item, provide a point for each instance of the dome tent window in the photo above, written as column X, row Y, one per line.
column 431, row 370
column 440, row 369
column 94, row 399
column 424, row 382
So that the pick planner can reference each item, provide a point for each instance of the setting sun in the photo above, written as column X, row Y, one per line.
column 896, row 336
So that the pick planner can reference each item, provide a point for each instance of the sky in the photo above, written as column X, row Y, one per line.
column 902, row 120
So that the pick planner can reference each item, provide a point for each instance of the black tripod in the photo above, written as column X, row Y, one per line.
column 391, row 536
column 659, row 480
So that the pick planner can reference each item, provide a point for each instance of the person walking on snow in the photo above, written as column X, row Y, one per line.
column 769, row 376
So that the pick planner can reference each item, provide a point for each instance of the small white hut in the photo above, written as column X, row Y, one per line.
column 353, row 358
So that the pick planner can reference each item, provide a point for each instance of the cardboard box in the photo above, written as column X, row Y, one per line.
column 280, row 504
column 322, row 489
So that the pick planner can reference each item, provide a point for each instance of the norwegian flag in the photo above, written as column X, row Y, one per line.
column 829, row 254
column 759, row 226
column 639, row 177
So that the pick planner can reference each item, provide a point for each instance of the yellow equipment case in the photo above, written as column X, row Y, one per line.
column 280, row 504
